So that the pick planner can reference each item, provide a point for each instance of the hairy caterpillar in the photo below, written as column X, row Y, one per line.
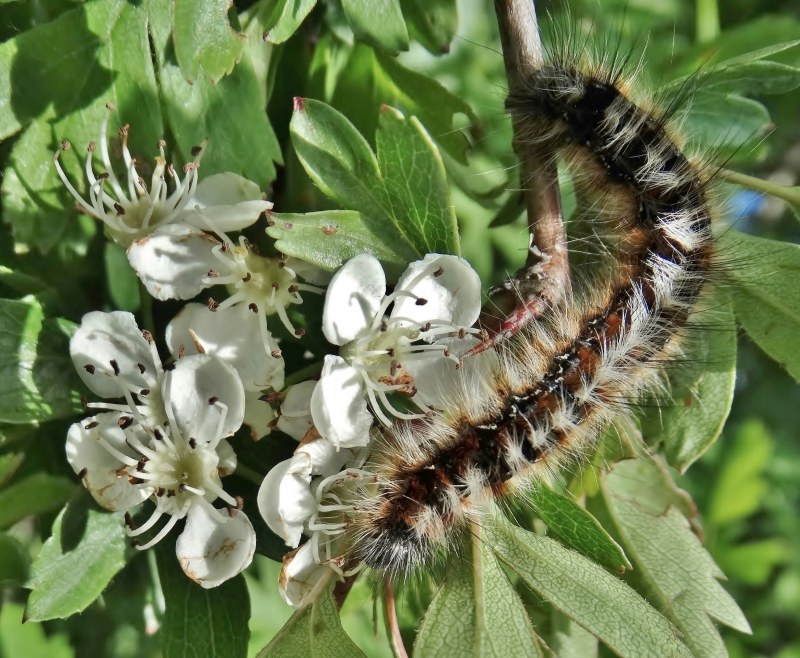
column 560, row 381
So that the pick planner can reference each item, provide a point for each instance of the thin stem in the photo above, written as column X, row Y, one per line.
column 707, row 20
column 789, row 194
column 306, row 372
column 247, row 473
column 392, row 627
column 545, row 277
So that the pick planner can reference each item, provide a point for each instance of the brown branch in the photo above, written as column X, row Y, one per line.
column 544, row 279
column 393, row 628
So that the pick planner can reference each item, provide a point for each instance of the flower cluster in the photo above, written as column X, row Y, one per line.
column 161, row 436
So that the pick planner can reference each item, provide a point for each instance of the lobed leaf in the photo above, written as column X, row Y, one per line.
column 766, row 297
column 578, row 529
column 585, row 592
column 701, row 386
column 204, row 38
column 681, row 574
column 37, row 379
column 477, row 612
column 86, row 548
column 313, row 632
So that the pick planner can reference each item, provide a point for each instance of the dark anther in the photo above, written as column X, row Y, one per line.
column 293, row 288
column 213, row 400
column 92, row 425
column 129, row 521
column 225, row 247
column 300, row 332
column 425, row 327
column 439, row 271
column 141, row 368
column 140, row 465
column 157, row 434
column 144, row 392
column 253, row 307
column 247, row 277
column 125, row 422
column 276, row 354
column 161, row 143
column 390, row 352
column 212, row 305
column 65, row 145
column 421, row 301
column 89, row 368
column 196, row 150
column 120, row 210
column 212, row 274
column 160, row 491
column 102, row 177
column 114, row 366
column 83, row 473
column 90, row 147
column 192, row 443
column 147, row 336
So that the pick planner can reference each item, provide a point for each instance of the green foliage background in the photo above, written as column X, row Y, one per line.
column 396, row 83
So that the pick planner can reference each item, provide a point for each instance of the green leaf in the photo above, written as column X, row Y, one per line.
column 29, row 640
column 21, row 282
column 313, row 632
column 681, row 574
column 585, row 592
column 477, row 612
column 752, row 563
column 432, row 22
column 286, row 17
column 328, row 238
column 701, row 386
column 577, row 528
column 201, row 623
column 571, row 640
column 9, row 463
column 740, row 486
column 708, row 120
column 85, row 550
column 415, row 184
column 37, row 379
column 373, row 79
column 401, row 195
column 123, row 284
column 204, row 38
column 378, row 22
column 14, row 563
column 766, row 297
column 229, row 114
column 762, row 77
column 33, row 495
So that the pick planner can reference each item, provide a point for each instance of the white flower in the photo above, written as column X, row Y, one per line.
column 235, row 335
column 295, row 419
column 130, row 210
column 300, row 575
column 174, row 455
column 286, row 498
column 382, row 335
column 178, row 262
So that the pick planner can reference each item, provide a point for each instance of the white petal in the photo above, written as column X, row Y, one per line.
column 257, row 414
column 440, row 383
column 211, row 550
column 172, row 261
column 226, row 189
column 299, row 575
column 295, row 419
column 106, row 337
column 325, row 458
column 196, row 389
column 233, row 335
column 338, row 406
column 353, row 299
column 112, row 491
column 454, row 295
column 227, row 458
column 285, row 499
column 308, row 272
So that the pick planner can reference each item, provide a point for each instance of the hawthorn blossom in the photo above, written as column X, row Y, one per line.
column 382, row 335
column 130, row 210
column 180, row 261
column 167, row 443
column 233, row 335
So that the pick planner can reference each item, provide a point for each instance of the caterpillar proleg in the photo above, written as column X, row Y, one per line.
column 563, row 378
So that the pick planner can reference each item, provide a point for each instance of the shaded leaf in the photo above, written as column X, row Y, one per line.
column 379, row 23
column 585, row 592
column 204, row 38
column 571, row 640
column 701, row 386
column 766, row 297
column 123, row 284
column 33, row 495
column 683, row 576
column 86, row 548
column 14, row 563
column 286, row 17
column 432, row 22
column 577, row 528
column 708, row 118
column 29, row 640
column 477, row 612
column 201, row 623
column 313, row 632
column 37, row 379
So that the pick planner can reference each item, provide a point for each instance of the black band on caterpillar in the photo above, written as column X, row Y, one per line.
column 557, row 385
